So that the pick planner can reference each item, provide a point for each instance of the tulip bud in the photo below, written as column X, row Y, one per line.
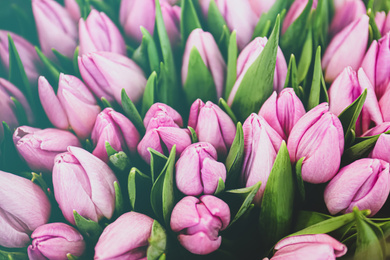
column 384, row 105
column 74, row 106
column 379, row 129
column 381, row 148
column 383, row 22
column 171, row 16
column 261, row 145
column 339, row 53
column 39, row 147
column 55, row 27
column 117, row 130
column 319, row 138
column 345, row 89
column 211, row 56
column 160, row 114
column 106, row 74
column 346, row 14
column 73, row 9
column 261, row 6
column 198, row 222
column 99, row 33
column 283, row 111
column 197, row 170
column 248, row 56
column 27, row 54
column 295, row 11
column 55, row 241
column 84, row 183
column 364, row 183
column 23, row 206
column 125, row 238
column 316, row 247
column 238, row 15
column 212, row 125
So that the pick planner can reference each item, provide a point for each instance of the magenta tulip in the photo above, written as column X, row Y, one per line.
column 346, row 14
column 198, row 222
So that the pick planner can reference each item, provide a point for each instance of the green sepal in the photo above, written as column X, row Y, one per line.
column 162, row 197
column 157, row 163
column 291, row 77
column 317, row 89
column 85, row 8
column 194, row 136
column 6, row 255
column 349, row 117
column 231, row 74
column 215, row 21
column 257, row 83
column 190, row 20
column 19, row 112
column 71, row 257
column 146, row 55
column 235, row 158
column 157, row 242
column 149, row 97
column 119, row 207
column 306, row 219
column 88, row 228
column 225, row 107
column 110, row 151
column 105, row 102
column 220, row 187
column 299, row 180
column 120, row 161
column 376, row 35
column 132, row 112
column 66, row 63
column 139, row 186
column 199, row 82
column 306, row 57
column 53, row 72
column 276, row 210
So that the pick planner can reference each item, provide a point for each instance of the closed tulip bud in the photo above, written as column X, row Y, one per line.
column 74, row 106
column 27, row 54
column 319, row 138
column 171, row 15
column 23, row 206
column 212, row 125
column 261, row 145
column 381, row 148
column 84, row 183
column 345, row 89
column 160, row 114
column 125, row 238
column 248, row 56
column 383, row 22
column 364, row 183
column 283, row 111
column 55, row 27
column 316, row 247
column 106, row 74
column 346, row 14
column 117, row 130
column 197, row 170
column 260, row 6
column 198, row 222
column 295, row 11
column 339, row 53
column 39, row 147
column 73, row 9
column 99, row 33
column 379, row 129
column 211, row 56
column 55, row 241
column 385, row 105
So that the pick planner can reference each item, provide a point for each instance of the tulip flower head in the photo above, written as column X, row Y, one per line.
column 160, row 114
column 383, row 22
column 261, row 6
column 346, row 14
column 381, row 150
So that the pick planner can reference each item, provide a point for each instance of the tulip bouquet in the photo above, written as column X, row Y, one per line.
column 194, row 129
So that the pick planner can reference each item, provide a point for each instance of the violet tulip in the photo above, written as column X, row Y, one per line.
column 317, row 137
column 99, row 33
column 383, row 22
column 198, row 222
column 212, row 125
column 117, row 130
column 27, row 54
column 55, row 241
column 261, row 6
column 238, row 15
column 364, row 183
column 55, row 27
column 211, row 56
column 261, row 145
column 339, row 53
column 282, row 111
column 314, row 247
column 39, row 147
column 84, row 183
column 197, row 170
column 346, row 14
column 381, row 148
column 74, row 106
column 248, row 56
column 23, row 206
column 160, row 114
column 125, row 238
column 295, row 11
column 106, row 74
column 345, row 89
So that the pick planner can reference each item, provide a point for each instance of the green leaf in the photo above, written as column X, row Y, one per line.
column 257, row 83
column 235, row 158
column 132, row 112
column 315, row 90
column 19, row 112
column 220, row 187
column 224, row 106
column 162, row 197
column 350, row 115
column 231, row 74
column 360, row 150
column 110, row 151
column 199, row 82
column 139, row 186
column 149, row 97
column 88, row 228
column 157, row 242
column 157, row 163
column 190, row 20
column 291, row 78
column 194, row 137
column 306, row 219
column 215, row 21
column 85, row 8
column 120, row 161
column 374, row 28
column 305, row 57
column 71, row 257
column 105, row 102
column 321, row 22
column 299, row 180
column 146, row 55
column 76, row 63
column 13, row 255
column 276, row 210
column 65, row 63
column 38, row 179
column 52, row 69
column 119, row 207
column 223, row 41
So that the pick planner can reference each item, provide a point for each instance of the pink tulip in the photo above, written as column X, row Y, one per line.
column 379, row 129
column 346, row 14
column 261, row 6
column 364, row 183
column 171, row 15
column 160, row 114
column 384, row 105
column 295, row 11
column 73, row 9
column 198, row 222
column 383, row 22
column 381, row 150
